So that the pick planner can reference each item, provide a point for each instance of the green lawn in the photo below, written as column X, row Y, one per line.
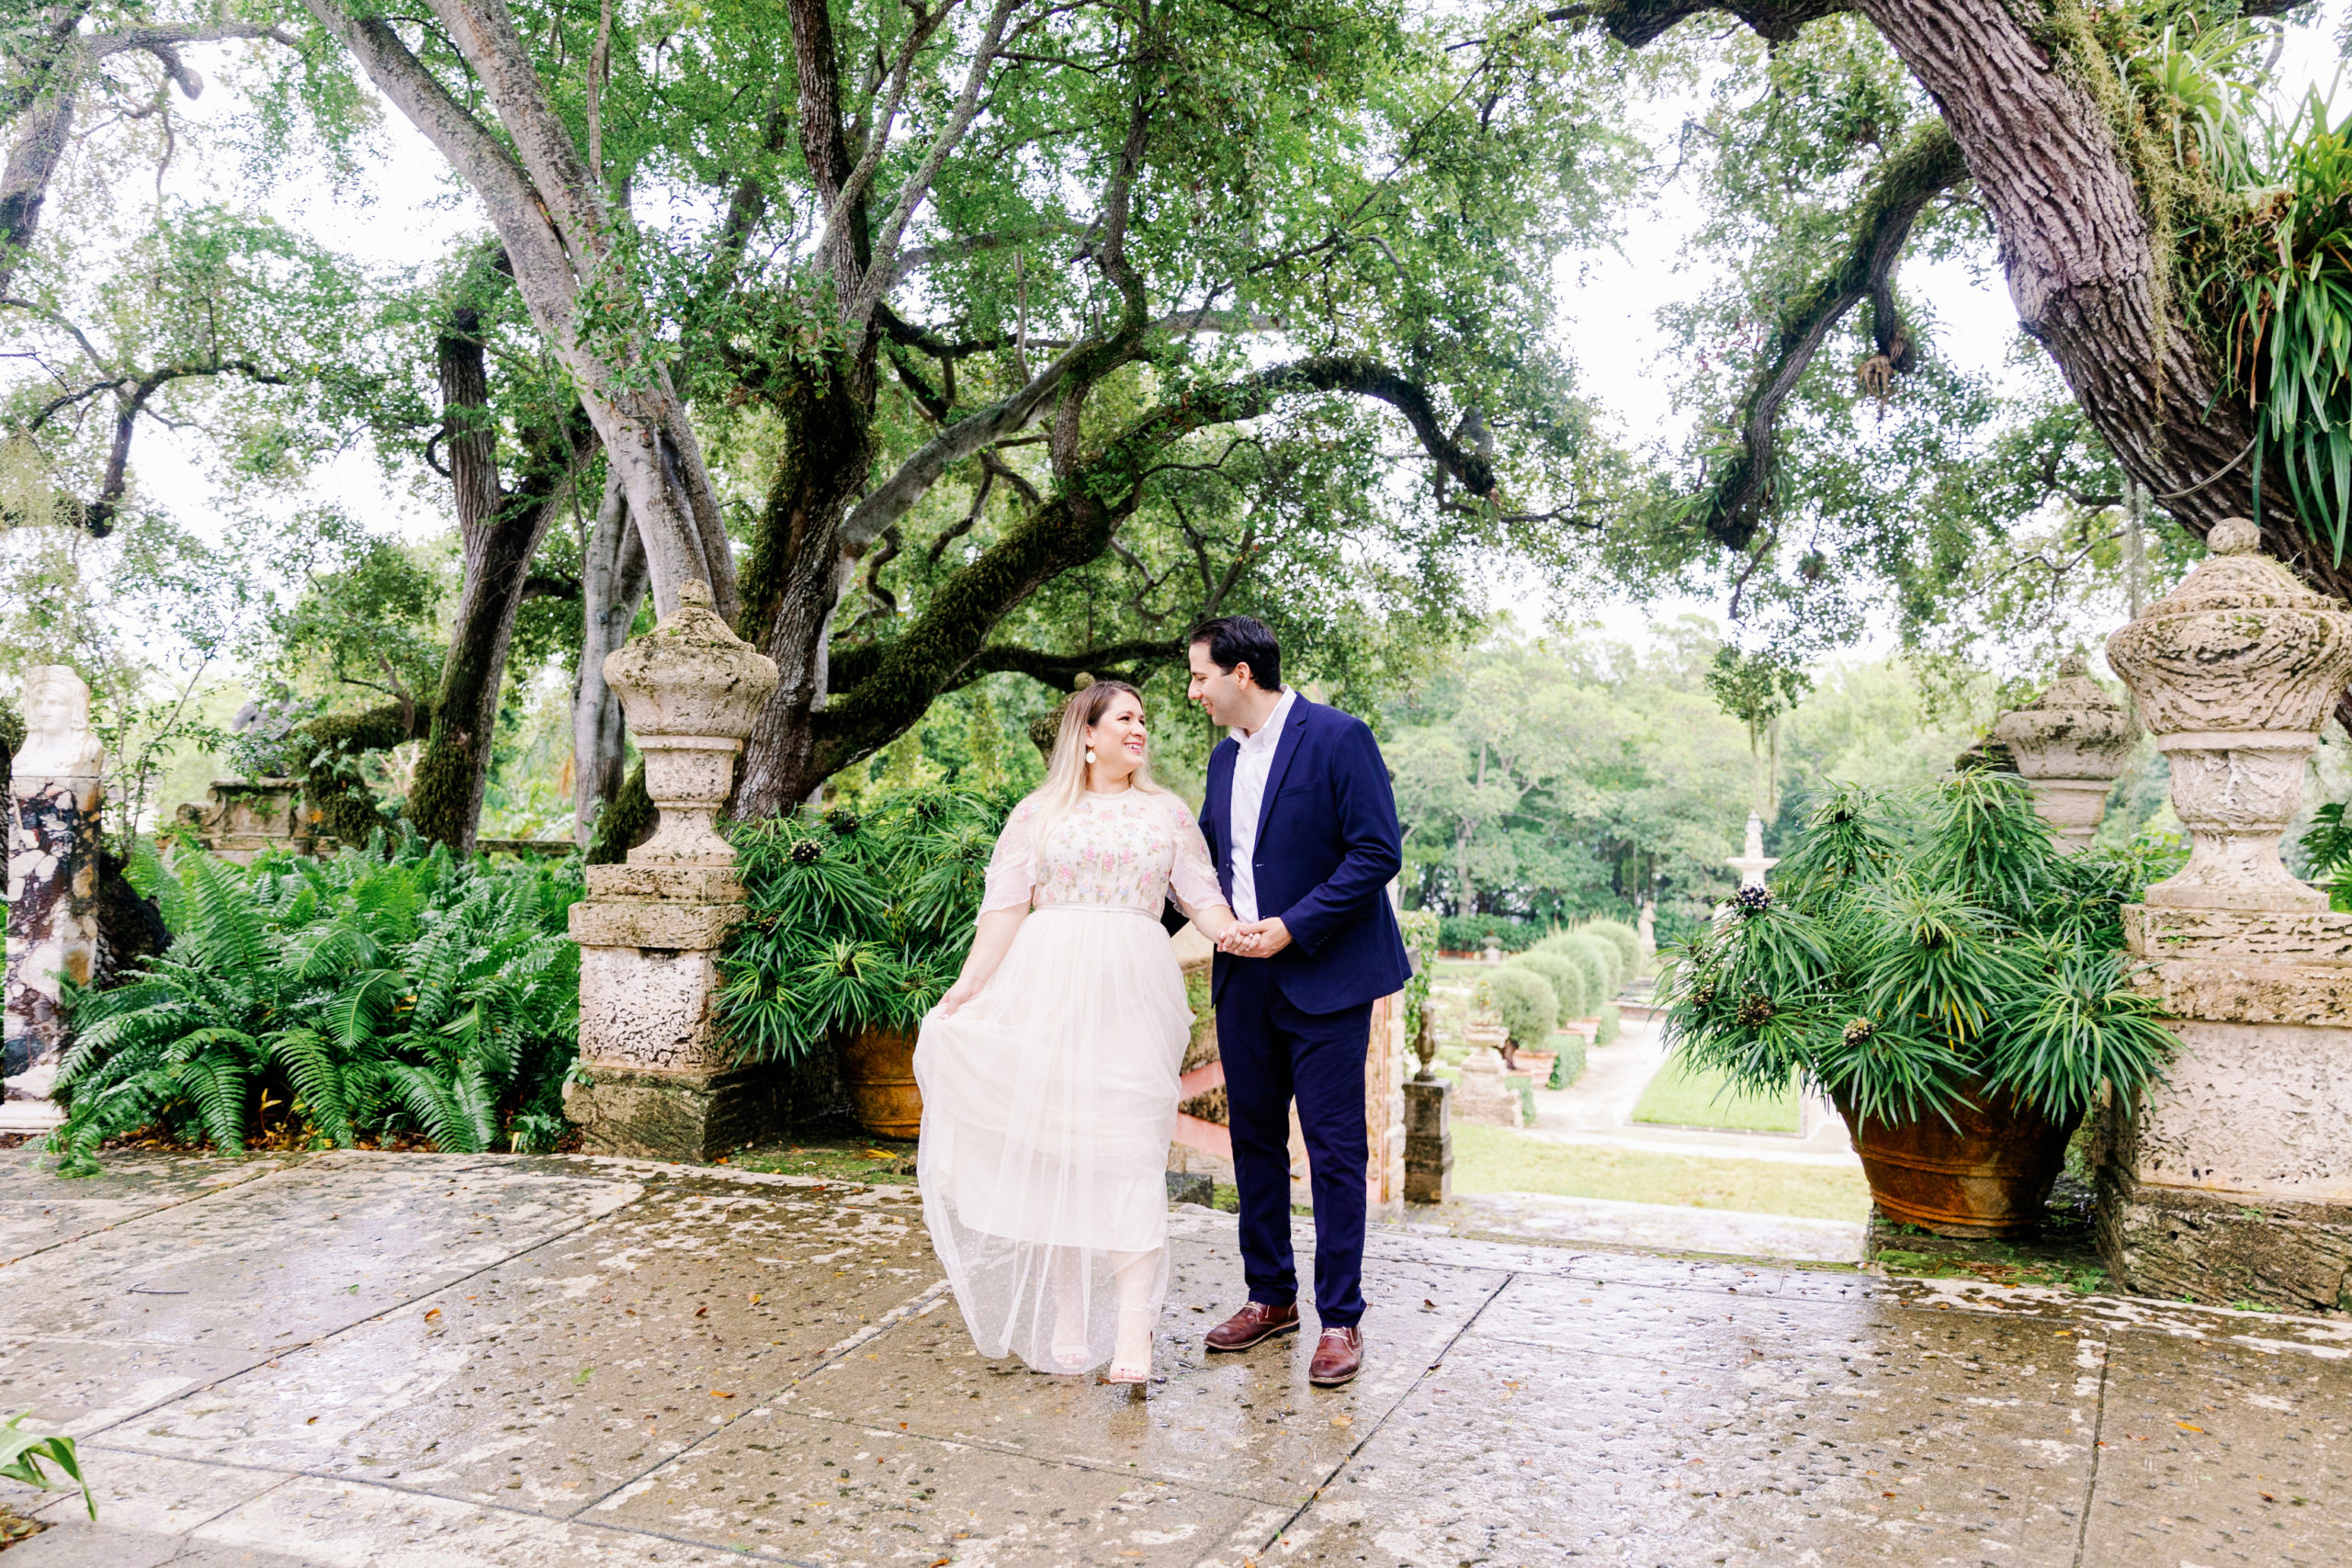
column 1678, row 1098
column 1495, row 1159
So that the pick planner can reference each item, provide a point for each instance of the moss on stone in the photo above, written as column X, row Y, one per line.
column 331, row 784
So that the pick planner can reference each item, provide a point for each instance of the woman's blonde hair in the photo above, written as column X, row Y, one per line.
column 1065, row 783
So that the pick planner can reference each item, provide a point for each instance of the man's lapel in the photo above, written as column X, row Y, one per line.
column 1285, row 748
column 1219, row 803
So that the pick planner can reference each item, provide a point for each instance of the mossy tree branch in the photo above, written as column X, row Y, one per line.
column 1739, row 494
column 1073, row 525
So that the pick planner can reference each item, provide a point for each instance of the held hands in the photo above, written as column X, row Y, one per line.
column 1255, row 938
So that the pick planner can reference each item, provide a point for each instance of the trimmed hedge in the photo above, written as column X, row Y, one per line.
column 1624, row 939
column 1566, row 978
column 1568, row 1066
column 1595, row 957
column 1468, row 933
column 1522, row 999
column 1609, row 1024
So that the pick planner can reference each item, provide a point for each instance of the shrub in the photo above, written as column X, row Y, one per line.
column 386, row 991
column 1624, row 939
column 1526, row 1103
column 1468, row 933
column 1609, row 1025
column 1525, row 1005
column 1566, row 980
column 1596, row 958
column 1568, row 1066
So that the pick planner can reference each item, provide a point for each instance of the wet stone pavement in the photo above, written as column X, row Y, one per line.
column 358, row 1359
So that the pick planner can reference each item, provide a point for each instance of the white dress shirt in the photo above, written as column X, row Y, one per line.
column 1250, row 772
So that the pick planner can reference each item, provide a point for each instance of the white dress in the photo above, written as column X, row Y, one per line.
column 1049, row 1098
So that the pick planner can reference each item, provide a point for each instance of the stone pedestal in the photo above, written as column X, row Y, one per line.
column 2232, row 1180
column 1486, row 1094
column 1428, row 1141
column 2071, row 743
column 54, row 799
column 661, row 1083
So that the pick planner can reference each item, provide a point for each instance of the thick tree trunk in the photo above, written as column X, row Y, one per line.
column 2081, row 264
column 501, row 535
column 792, row 583
column 612, row 585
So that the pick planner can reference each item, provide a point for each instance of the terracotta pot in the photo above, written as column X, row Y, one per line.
column 878, row 1070
column 1988, row 1178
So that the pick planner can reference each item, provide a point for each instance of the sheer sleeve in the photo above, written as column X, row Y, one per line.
column 1013, row 870
column 1191, row 878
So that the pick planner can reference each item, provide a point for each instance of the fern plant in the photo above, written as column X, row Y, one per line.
column 394, row 991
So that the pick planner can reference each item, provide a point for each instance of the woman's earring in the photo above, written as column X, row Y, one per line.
column 1089, row 756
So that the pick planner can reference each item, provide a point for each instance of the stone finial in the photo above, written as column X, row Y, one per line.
column 691, row 690
column 2233, row 672
column 1752, row 862
column 2072, row 743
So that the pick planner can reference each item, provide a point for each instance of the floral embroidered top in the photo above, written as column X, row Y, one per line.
column 1128, row 850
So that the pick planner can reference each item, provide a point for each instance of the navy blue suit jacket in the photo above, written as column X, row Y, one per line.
column 1327, row 845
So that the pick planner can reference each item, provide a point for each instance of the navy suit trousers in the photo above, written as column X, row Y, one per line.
column 1274, row 1052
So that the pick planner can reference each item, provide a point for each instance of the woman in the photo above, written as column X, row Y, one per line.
column 1049, row 1071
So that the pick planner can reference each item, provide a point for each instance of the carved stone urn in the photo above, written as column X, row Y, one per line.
column 2233, row 671
column 692, row 689
column 657, row 1078
column 2072, row 743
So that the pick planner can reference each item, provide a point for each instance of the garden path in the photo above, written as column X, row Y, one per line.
column 398, row 1361
column 1599, row 1109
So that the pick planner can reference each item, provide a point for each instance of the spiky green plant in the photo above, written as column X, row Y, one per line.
column 392, row 990
column 856, row 920
column 1915, row 951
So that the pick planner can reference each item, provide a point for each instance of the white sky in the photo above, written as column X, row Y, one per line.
column 1608, row 304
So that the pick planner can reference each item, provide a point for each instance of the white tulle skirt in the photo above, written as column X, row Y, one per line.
column 1049, row 1102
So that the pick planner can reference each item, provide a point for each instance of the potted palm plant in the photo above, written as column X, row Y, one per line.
column 1957, row 986
column 859, row 922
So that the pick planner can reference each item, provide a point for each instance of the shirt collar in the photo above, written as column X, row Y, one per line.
column 1271, row 731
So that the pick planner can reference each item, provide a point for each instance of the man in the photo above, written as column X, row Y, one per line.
column 1302, row 829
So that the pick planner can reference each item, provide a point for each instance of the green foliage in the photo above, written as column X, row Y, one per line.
column 1567, row 979
column 1594, row 958
column 1470, row 933
column 1568, row 1066
column 2327, row 846
column 394, row 990
column 1624, row 939
column 1609, row 1025
column 859, row 917
column 1420, row 930
column 1924, row 949
column 1525, row 1003
column 23, row 1454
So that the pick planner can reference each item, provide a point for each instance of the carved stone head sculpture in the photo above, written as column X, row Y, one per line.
column 2072, row 742
column 691, row 690
column 2233, row 672
column 58, row 741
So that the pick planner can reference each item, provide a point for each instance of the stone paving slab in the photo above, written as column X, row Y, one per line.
column 391, row 1361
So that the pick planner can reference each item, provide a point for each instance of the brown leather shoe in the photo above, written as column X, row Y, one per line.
column 1254, row 1322
column 1339, row 1356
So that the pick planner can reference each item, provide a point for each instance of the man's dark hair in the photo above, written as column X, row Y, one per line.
column 1239, row 639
